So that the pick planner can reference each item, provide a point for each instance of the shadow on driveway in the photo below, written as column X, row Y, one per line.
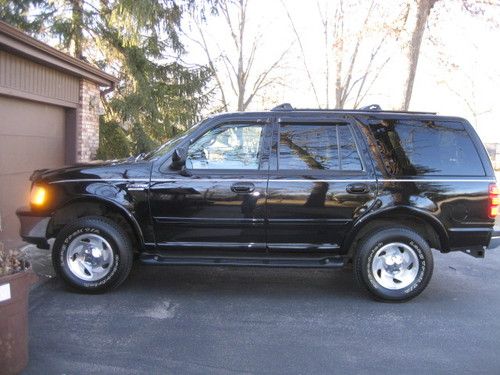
column 220, row 320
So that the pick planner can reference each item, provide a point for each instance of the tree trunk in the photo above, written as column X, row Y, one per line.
column 338, row 84
column 77, row 28
column 241, row 69
column 413, row 50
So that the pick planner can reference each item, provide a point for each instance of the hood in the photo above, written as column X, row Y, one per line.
column 98, row 170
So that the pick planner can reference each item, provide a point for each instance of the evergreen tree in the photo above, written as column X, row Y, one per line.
column 138, row 42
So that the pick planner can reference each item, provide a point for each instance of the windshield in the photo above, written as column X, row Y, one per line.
column 171, row 144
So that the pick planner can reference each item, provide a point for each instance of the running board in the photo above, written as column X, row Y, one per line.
column 267, row 261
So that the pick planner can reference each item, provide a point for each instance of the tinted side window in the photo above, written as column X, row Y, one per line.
column 321, row 147
column 231, row 146
column 426, row 148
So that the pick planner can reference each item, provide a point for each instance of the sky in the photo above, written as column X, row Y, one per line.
column 458, row 72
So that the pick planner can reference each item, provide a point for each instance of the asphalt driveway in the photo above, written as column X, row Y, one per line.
column 199, row 320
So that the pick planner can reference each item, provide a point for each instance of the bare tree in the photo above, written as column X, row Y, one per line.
column 234, row 67
column 463, row 83
column 212, row 63
column 323, row 12
column 303, row 54
column 412, row 50
column 344, row 83
column 470, row 102
column 357, row 54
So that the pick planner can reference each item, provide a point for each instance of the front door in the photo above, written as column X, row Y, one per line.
column 318, row 184
column 218, row 200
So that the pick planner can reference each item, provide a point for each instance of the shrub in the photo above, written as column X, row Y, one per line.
column 11, row 261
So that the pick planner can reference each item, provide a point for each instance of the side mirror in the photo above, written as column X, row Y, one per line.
column 179, row 158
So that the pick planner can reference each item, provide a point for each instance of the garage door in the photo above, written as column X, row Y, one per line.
column 31, row 137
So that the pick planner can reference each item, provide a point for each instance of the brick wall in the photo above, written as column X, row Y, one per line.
column 87, row 121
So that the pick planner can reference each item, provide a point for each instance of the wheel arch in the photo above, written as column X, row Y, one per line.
column 420, row 221
column 95, row 206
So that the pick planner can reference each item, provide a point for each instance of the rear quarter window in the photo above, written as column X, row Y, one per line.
column 426, row 148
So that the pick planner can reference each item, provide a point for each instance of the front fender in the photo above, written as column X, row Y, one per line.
column 90, row 199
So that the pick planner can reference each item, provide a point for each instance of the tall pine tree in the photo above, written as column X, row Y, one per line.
column 135, row 40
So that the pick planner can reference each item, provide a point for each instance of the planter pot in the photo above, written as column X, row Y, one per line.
column 14, row 291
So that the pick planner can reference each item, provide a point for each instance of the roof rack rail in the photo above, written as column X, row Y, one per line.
column 370, row 108
column 283, row 107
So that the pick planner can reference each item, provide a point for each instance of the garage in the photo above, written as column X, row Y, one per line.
column 31, row 137
column 49, row 117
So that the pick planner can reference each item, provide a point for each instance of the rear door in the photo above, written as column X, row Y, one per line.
column 318, row 183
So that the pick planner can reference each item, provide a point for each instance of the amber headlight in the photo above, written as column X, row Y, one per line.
column 38, row 196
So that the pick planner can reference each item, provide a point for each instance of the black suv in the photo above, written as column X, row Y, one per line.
column 285, row 188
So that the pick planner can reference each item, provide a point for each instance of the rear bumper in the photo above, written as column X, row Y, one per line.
column 495, row 239
column 33, row 227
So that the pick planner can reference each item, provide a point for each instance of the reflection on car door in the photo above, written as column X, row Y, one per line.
column 219, row 200
column 318, row 184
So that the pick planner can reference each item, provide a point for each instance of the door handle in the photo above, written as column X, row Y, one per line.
column 242, row 187
column 357, row 188
column 138, row 187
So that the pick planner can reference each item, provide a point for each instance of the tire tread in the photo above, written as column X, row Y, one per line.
column 126, row 253
column 358, row 262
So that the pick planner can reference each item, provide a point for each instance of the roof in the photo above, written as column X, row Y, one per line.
column 16, row 41
column 370, row 109
column 288, row 113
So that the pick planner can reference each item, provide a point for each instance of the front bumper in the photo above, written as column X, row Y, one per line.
column 33, row 227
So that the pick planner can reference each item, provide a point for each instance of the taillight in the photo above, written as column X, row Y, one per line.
column 494, row 201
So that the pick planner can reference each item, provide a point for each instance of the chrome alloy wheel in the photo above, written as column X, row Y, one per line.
column 395, row 266
column 89, row 257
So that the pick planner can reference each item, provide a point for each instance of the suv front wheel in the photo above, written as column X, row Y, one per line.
column 393, row 264
column 92, row 254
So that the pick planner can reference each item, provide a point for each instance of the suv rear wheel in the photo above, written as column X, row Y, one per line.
column 92, row 254
column 393, row 264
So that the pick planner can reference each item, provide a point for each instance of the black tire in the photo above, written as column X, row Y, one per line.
column 120, row 248
column 372, row 243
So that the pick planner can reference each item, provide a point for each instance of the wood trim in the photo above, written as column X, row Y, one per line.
column 36, row 98
column 16, row 41
column 70, row 135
